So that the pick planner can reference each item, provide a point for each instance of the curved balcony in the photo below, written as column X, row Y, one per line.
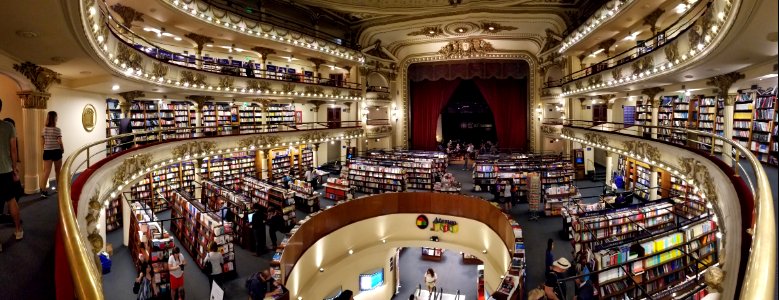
column 91, row 176
column 250, row 27
column 741, row 197
column 391, row 219
column 696, row 34
column 139, row 59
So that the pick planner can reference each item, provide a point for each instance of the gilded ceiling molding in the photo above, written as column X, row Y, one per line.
column 474, row 47
column 259, row 141
column 429, row 31
column 258, row 85
column 131, row 166
column 336, row 92
column 642, row 149
column 644, row 63
column 288, row 87
column 42, row 78
column 616, row 73
column 193, row 148
column 548, row 130
column 378, row 51
column 192, row 78
column 313, row 136
column 536, row 39
column 501, row 55
column 311, row 89
column 723, row 83
column 378, row 131
column 128, row 14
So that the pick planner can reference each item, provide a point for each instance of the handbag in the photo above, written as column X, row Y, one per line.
column 207, row 266
column 136, row 287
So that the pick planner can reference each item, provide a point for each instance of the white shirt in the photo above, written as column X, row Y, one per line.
column 430, row 279
column 507, row 190
column 216, row 260
column 309, row 175
column 176, row 262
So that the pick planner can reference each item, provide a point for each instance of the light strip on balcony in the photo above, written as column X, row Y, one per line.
column 324, row 47
column 603, row 15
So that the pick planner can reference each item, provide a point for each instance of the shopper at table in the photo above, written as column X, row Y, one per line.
column 9, row 173
column 262, row 285
column 216, row 260
column 52, row 151
column 258, row 228
column 176, row 263
column 311, row 177
column 554, row 289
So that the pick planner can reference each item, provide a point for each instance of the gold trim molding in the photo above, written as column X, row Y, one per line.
column 131, row 165
column 596, row 138
column 89, row 117
column 642, row 149
column 34, row 99
column 259, row 141
column 193, row 148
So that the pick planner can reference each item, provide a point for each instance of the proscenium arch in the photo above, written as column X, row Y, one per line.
column 533, row 94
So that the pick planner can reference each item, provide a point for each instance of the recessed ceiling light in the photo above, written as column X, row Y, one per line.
column 85, row 72
column 431, row 32
column 491, row 28
column 460, row 29
column 115, row 87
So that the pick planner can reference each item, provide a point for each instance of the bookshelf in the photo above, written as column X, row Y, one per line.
column 420, row 171
column 684, row 116
column 145, row 116
column 665, row 117
column 280, row 163
column 336, row 189
column 148, row 239
column 227, row 170
column 113, row 213
column 644, row 115
column 280, row 114
column 764, row 127
column 742, row 117
column 375, row 179
column 557, row 184
column 709, row 120
column 196, row 228
column 216, row 197
column 113, row 117
column 183, row 116
column 250, row 118
column 265, row 193
column 158, row 185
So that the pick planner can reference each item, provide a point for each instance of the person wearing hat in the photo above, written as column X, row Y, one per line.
column 552, row 287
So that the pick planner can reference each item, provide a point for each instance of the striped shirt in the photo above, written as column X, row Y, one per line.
column 51, row 136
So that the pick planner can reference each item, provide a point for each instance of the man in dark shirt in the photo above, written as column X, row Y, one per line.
column 275, row 224
column 554, row 289
column 258, row 228
column 262, row 285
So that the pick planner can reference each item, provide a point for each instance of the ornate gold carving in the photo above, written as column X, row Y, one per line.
column 261, row 85
column 643, row 64
column 376, row 131
column 353, row 132
column 200, row 40
column 355, row 94
column 95, row 207
column 378, row 51
column 88, row 117
column 259, row 141
column 723, row 83
column 567, row 132
column 226, row 82
column 128, row 14
column 651, row 93
column 96, row 241
column 316, row 104
column 335, row 92
column 131, row 166
column 310, row 89
column 548, row 130
column 42, row 78
column 193, row 78
column 692, row 168
column 317, row 62
column 596, row 138
column 129, row 57
column 642, row 149
column 594, row 79
column 466, row 48
column 313, row 136
column 616, row 73
column 713, row 278
column 33, row 99
column 159, row 69
column 193, row 148
column 264, row 52
column 288, row 87
column 651, row 20
column 605, row 45
column 429, row 31
column 579, row 84
column 129, row 96
column 671, row 51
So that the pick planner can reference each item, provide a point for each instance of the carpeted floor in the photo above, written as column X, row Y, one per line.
column 453, row 275
column 32, row 258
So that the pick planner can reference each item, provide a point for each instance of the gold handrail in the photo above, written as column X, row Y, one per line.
column 87, row 279
column 759, row 279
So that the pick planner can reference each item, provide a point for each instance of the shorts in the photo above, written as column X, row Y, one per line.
column 176, row 283
column 7, row 183
column 430, row 285
column 53, row 155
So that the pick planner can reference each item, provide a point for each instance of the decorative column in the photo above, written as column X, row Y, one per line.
column 316, row 104
column 127, row 102
column 264, row 52
column 265, row 155
column 723, row 83
column 315, row 154
column 653, row 185
column 651, row 93
column 318, row 62
column 605, row 45
column 200, row 40
column 33, row 116
column 200, row 101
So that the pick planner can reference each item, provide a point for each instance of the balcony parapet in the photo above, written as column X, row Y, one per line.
column 602, row 16
column 120, row 50
column 378, row 131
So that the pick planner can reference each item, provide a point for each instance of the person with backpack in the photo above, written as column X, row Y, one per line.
column 261, row 285
column 214, row 260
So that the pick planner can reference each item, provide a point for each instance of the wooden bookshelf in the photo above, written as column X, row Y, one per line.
column 420, row 171
column 376, row 179
column 742, row 117
column 644, row 115
column 196, row 228
column 279, row 164
column 227, row 169
column 684, row 116
column 250, row 118
column 336, row 189
column 113, row 117
column 280, row 114
column 148, row 239
column 432, row 254
column 306, row 199
column 557, row 184
column 113, row 213
column 709, row 120
column 184, row 116
column 665, row 117
column 763, row 127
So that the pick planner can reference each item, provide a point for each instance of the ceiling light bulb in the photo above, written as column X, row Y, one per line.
column 491, row 28
column 460, row 30
column 431, row 32
column 115, row 87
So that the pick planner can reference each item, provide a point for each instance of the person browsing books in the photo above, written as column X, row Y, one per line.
column 554, row 289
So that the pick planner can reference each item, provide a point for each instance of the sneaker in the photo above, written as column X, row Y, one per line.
column 19, row 235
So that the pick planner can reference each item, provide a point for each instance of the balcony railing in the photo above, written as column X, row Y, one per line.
column 378, row 89
column 757, row 268
column 682, row 25
column 86, row 277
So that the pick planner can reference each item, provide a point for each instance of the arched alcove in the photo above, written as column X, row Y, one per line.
column 377, row 80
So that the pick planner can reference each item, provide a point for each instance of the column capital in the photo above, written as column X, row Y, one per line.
column 723, row 83
column 128, row 14
column 264, row 51
column 200, row 100
column 651, row 93
column 200, row 40
column 33, row 99
column 652, row 18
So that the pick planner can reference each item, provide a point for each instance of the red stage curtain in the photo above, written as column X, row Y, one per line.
column 507, row 99
column 428, row 98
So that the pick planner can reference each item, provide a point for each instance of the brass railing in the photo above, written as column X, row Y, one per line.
column 759, row 279
column 87, row 279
